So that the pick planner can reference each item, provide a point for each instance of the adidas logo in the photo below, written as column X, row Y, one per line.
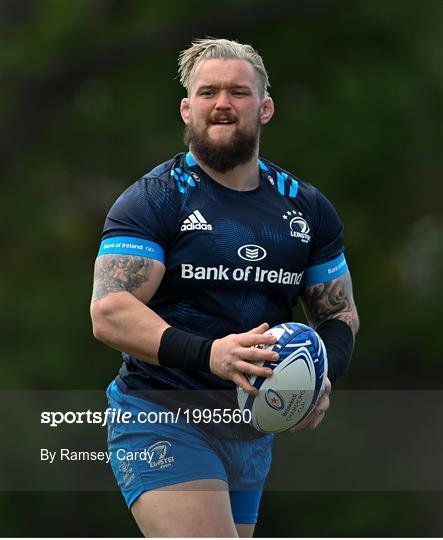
column 195, row 222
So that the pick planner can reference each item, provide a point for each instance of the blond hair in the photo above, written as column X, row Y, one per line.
column 220, row 48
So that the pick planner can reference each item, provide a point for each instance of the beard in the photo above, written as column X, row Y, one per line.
column 226, row 155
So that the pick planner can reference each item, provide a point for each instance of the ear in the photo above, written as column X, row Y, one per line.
column 185, row 110
column 266, row 110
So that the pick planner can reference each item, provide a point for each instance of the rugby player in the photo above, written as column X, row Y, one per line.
column 198, row 259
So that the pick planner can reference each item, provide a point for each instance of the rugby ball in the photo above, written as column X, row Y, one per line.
column 298, row 380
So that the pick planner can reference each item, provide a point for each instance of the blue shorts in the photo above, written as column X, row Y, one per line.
column 147, row 456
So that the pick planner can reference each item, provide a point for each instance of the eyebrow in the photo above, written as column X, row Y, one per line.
column 236, row 86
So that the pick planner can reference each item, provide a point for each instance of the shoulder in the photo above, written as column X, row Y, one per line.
column 161, row 184
column 316, row 208
column 161, row 171
column 289, row 184
column 173, row 175
column 161, row 176
column 148, row 208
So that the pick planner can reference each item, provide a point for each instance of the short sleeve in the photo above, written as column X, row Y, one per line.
column 326, row 259
column 142, row 221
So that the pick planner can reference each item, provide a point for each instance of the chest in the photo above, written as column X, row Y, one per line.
column 249, row 241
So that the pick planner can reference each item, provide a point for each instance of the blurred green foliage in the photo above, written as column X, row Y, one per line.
column 89, row 102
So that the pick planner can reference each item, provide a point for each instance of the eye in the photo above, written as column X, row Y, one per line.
column 240, row 92
column 206, row 93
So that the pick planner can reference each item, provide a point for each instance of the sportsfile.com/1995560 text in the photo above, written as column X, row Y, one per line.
column 117, row 416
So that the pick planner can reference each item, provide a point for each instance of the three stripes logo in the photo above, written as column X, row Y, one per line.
column 195, row 222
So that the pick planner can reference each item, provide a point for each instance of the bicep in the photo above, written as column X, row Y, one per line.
column 137, row 275
column 331, row 300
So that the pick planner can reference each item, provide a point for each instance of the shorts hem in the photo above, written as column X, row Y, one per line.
column 245, row 520
column 203, row 476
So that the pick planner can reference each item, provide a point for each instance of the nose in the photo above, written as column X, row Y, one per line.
column 223, row 100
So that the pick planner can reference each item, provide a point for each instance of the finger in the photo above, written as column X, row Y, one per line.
column 302, row 424
column 259, row 329
column 322, row 405
column 251, row 340
column 308, row 421
column 316, row 421
column 242, row 381
column 328, row 387
column 251, row 369
column 252, row 354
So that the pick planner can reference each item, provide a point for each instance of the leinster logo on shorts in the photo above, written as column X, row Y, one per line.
column 298, row 226
column 274, row 400
column 158, row 455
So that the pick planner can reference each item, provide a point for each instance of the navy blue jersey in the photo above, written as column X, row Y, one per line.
column 233, row 259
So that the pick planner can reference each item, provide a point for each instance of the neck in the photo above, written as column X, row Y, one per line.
column 244, row 177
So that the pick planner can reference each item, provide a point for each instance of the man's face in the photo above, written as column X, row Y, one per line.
column 224, row 112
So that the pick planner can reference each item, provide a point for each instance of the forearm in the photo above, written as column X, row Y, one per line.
column 123, row 322
column 331, row 300
column 349, row 318
column 331, row 310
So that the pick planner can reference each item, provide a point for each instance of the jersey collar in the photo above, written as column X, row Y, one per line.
column 190, row 162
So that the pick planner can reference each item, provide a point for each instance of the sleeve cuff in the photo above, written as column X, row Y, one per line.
column 128, row 245
column 322, row 273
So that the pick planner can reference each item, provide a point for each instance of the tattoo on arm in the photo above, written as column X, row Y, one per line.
column 331, row 300
column 115, row 273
